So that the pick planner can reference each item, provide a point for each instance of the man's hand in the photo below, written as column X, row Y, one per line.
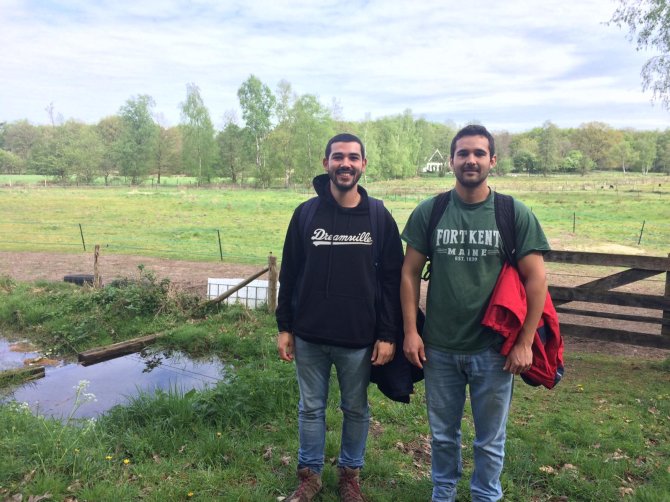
column 285, row 346
column 414, row 349
column 382, row 352
column 519, row 359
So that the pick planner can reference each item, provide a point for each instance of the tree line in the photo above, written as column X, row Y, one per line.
column 281, row 140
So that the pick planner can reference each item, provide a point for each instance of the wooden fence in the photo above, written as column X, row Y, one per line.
column 640, row 308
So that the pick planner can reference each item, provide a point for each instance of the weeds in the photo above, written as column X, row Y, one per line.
column 602, row 434
column 68, row 319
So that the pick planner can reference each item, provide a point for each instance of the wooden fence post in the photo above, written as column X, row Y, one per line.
column 665, row 328
column 96, row 272
column 272, row 283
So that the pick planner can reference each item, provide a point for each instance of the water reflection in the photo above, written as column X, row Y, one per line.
column 112, row 382
column 12, row 355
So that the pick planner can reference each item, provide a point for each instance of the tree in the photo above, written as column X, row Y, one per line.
column 662, row 162
column 596, row 141
column 312, row 127
column 10, row 163
column 367, row 132
column 282, row 136
column 109, row 130
column 524, row 160
column 503, row 141
column 648, row 23
column 20, row 138
column 549, row 144
column 623, row 151
column 644, row 144
column 257, row 103
column 525, row 151
column 168, row 150
column 576, row 161
column 199, row 147
column 233, row 142
column 399, row 145
column 82, row 151
column 135, row 147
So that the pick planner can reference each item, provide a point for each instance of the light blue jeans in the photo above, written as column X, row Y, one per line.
column 446, row 377
column 313, row 363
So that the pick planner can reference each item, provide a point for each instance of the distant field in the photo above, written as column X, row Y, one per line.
column 14, row 180
column 607, row 212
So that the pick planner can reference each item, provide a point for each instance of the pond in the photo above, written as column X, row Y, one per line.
column 112, row 382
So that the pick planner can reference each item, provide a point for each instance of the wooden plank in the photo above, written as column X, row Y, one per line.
column 565, row 294
column 619, row 279
column 272, row 283
column 616, row 335
column 225, row 295
column 100, row 354
column 612, row 315
column 614, row 281
column 657, row 263
column 20, row 375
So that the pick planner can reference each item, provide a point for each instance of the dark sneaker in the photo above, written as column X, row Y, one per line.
column 310, row 485
column 349, row 482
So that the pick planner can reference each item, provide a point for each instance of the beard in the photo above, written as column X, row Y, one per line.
column 344, row 187
column 471, row 182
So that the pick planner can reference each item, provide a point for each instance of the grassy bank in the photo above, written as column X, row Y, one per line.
column 604, row 211
column 603, row 434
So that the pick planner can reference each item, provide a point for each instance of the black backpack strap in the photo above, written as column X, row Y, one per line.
column 376, row 212
column 440, row 204
column 306, row 215
column 376, row 209
column 505, row 221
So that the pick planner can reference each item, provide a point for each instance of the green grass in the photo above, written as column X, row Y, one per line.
column 66, row 319
column 602, row 432
column 180, row 223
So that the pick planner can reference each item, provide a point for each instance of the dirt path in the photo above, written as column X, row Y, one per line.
column 192, row 277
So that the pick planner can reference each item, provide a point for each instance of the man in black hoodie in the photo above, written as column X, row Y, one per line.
column 337, row 306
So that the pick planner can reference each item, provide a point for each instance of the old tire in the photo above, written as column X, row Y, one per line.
column 79, row 279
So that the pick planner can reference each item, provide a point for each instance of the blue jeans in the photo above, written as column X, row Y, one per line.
column 446, row 377
column 313, row 363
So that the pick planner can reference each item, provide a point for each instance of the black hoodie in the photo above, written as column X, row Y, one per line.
column 328, row 279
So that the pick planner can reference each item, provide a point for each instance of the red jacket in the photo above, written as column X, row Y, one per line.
column 506, row 313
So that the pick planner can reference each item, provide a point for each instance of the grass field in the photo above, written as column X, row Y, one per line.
column 601, row 212
column 603, row 434
column 598, row 213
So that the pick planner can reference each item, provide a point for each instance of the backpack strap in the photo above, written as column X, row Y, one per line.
column 440, row 203
column 376, row 209
column 505, row 220
column 377, row 220
column 306, row 215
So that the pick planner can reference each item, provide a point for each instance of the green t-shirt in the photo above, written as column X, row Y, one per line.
column 466, row 261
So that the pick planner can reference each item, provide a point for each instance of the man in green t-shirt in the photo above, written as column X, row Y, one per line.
column 456, row 350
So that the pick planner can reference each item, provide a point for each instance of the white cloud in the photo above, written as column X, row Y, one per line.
column 515, row 62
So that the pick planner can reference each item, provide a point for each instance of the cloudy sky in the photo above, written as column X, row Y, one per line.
column 508, row 64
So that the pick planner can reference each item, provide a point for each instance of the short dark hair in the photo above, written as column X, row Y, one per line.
column 474, row 130
column 344, row 138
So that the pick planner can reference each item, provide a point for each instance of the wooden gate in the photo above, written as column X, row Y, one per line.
column 599, row 291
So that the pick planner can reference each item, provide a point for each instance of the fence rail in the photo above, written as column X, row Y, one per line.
column 599, row 292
